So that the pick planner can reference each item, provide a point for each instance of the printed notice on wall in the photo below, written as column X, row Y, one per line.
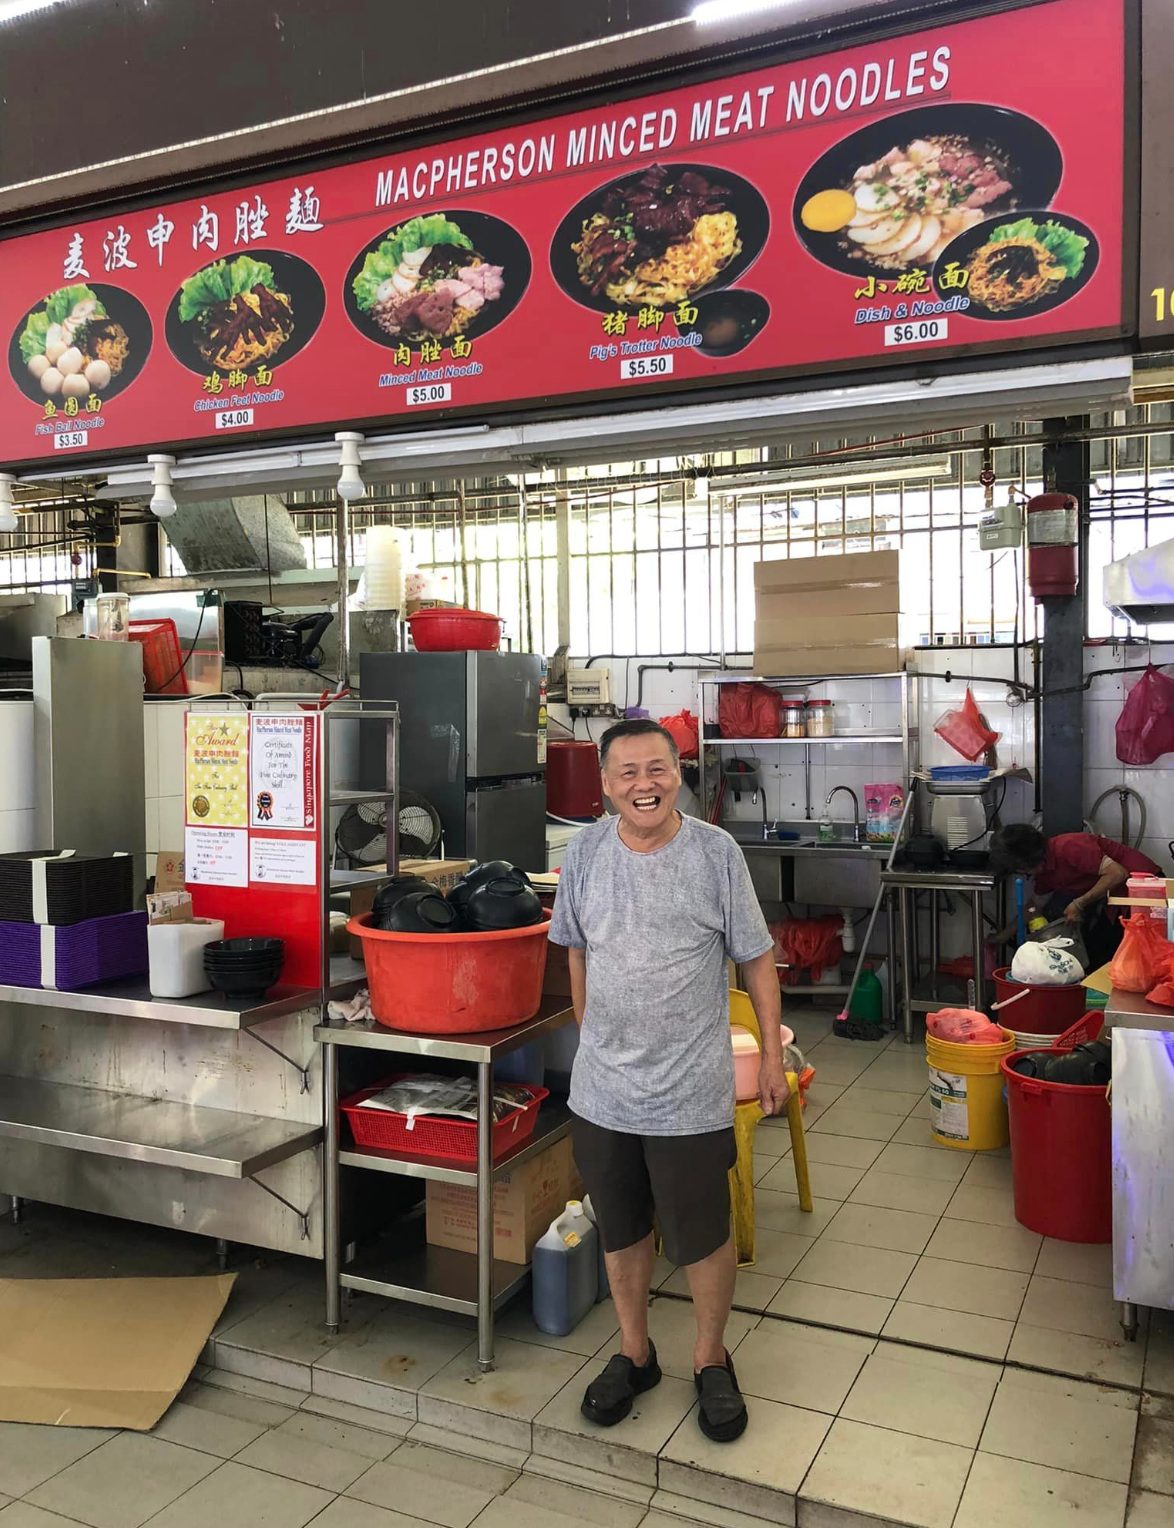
column 216, row 857
column 216, row 769
column 283, row 861
column 281, row 772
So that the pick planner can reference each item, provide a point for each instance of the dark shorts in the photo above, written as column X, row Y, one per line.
column 681, row 1181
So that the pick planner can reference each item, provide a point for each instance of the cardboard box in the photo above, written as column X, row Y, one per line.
column 443, row 874
column 525, row 1201
column 862, row 583
column 829, row 644
column 835, row 572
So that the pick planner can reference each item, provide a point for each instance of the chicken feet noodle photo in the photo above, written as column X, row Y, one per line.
column 893, row 196
column 256, row 309
column 659, row 237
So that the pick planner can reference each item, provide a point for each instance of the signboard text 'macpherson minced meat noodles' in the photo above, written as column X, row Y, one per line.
column 878, row 205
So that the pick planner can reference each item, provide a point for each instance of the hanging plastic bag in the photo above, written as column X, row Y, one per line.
column 808, row 944
column 684, row 732
column 965, row 730
column 1145, row 728
column 749, row 710
column 1141, row 956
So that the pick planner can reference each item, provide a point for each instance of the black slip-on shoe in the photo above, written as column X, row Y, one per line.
column 721, row 1411
column 609, row 1398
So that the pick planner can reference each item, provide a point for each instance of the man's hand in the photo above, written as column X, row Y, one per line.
column 773, row 1091
column 1074, row 912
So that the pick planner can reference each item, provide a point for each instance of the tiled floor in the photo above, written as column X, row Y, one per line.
column 911, row 1354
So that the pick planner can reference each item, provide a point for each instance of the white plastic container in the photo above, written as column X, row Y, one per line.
column 176, row 953
column 384, row 569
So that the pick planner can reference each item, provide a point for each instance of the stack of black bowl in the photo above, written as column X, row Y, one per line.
column 409, row 904
column 243, row 967
column 495, row 896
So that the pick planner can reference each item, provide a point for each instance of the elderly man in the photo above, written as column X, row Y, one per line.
column 650, row 905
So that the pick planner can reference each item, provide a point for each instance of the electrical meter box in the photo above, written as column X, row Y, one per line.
column 588, row 687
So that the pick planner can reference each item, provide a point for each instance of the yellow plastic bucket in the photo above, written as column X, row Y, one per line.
column 967, row 1107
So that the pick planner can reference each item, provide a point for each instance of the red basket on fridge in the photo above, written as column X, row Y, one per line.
column 435, row 1135
column 163, row 660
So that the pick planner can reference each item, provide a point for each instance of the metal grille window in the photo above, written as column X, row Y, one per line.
column 661, row 552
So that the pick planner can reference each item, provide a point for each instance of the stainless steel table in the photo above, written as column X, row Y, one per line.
column 904, row 884
column 1143, row 1154
column 470, row 1284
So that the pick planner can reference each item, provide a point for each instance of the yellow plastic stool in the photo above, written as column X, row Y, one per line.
column 746, row 1117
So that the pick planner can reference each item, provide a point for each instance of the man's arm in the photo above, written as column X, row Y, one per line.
column 577, row 961
column 762, row 983
column 1113, row 875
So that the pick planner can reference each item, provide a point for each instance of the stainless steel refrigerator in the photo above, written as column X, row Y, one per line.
column 470, row 743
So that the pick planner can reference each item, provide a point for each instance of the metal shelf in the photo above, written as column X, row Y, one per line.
column 217, row 1142
column 434, row 1276
column 481, row 1048
column 346, row 797
column 804, row 742
column 132, row 999
column 554, row 1122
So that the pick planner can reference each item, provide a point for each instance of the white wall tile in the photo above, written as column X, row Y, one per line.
column 1096, row 782
column 1158, row 850
column 151, row 750
column 18, row 790
column 152, row 825
column 18, row 831
column 171, row 715
column 170, row 823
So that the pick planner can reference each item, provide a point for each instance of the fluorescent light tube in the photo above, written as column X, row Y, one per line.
column 13, row 10
column 728, row 10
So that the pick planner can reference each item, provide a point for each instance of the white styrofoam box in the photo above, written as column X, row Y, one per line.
column 18, row 781
column 171, row 817
column 152, row 840
column 18, row 831
column 150, row 750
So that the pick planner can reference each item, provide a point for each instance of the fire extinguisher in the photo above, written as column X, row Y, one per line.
column 1053, row 534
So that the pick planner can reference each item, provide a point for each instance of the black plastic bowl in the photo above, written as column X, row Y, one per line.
column 502, row 903
column 422, row 912
column 387, row 897
column 221, row 948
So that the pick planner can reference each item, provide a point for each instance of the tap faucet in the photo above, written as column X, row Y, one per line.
column 857, row 826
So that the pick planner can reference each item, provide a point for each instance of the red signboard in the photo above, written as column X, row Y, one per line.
column 952, row 190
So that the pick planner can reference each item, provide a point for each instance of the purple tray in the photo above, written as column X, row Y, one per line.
column 73, row 956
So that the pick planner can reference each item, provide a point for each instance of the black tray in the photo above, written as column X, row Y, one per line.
column 81, row 887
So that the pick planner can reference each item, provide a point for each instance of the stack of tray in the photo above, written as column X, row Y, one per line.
column 75, row 888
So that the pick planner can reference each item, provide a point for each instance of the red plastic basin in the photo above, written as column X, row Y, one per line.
column 455, row 631
column 445, row 984
column 1044, row 1011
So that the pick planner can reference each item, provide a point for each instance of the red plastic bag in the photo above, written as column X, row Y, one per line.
column 965, row 730
column 963, row 1026
column 1141, row 956
column 807, row 944
column 749, row 710
column 1145, row 728
column 683, row 728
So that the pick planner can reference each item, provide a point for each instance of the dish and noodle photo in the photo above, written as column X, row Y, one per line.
column 659, row 237
column 82, row 341
column 256, row 309
column 893, row 195
column 437, row 278
column 1019, row 266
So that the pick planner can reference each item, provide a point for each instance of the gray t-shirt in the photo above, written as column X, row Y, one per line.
column 654, row 1052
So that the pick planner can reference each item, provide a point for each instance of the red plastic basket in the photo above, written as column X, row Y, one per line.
column 163, row 661
column 436, row 1135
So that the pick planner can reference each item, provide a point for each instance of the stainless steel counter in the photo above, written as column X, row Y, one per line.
column 203, row 1114
column 1143, row 1153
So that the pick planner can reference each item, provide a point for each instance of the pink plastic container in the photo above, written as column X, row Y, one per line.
column 746, row 1060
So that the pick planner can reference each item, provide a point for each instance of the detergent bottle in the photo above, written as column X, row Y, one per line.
column 565, row 1272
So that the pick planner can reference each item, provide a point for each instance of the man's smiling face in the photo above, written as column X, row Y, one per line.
column 642, row 778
